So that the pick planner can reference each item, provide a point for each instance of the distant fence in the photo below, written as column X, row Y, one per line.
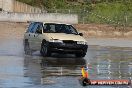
column 86, row 16
column 43, row 17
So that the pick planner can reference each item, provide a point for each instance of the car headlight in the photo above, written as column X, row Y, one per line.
column 82, row 42
column 56, row 40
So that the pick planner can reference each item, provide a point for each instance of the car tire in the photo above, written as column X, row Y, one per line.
column 45, row 49
column 80, row 54
column 27, row 49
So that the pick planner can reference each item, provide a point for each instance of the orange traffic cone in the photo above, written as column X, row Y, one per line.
column 84, row 73
column 84, row 80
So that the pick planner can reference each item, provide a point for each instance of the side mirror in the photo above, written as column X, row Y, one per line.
column 81, row 34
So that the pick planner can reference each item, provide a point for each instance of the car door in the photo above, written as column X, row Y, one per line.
column 38, row 36
column 32, row 36
column 28, row 34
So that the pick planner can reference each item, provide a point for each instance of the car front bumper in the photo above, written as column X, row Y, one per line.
column 67, row 48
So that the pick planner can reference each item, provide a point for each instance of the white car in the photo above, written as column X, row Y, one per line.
column 54, row 38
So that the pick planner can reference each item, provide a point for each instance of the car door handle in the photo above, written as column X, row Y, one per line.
column 29, row 34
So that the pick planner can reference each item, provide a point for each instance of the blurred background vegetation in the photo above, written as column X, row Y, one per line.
column 90, row 11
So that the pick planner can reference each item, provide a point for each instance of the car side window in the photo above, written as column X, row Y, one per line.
column 39, row 29
column 30, row 27
column 33, row 30
column 49, row 28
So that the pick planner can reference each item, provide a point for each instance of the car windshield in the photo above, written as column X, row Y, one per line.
column 59, row 28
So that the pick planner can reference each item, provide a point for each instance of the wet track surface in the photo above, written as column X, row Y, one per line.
column 18, row 70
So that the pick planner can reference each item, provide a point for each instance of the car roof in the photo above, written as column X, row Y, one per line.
column 57, row 23
column 50, row 23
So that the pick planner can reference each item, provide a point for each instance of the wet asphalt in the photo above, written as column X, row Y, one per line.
column 18, row 70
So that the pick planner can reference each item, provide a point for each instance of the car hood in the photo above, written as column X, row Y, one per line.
column 63, row 36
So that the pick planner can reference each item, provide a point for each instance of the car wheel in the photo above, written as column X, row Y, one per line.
column 44, row 49
column 27, row 48
column 80, row 54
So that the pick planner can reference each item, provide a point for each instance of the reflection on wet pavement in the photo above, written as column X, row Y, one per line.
column 54, row 67
column 111, row 62
column 61, row 71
